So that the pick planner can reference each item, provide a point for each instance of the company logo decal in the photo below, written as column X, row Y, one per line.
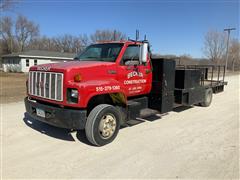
column 134, row 73
column 43, row 68
column 135, row 81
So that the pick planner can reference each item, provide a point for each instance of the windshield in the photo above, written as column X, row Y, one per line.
column 101, row 52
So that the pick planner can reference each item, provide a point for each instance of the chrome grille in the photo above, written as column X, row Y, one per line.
column 47, row 85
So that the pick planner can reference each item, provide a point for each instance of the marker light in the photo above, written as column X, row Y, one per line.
column 77, row 78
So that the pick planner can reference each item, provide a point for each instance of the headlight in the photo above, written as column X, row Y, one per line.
column 72, row 96
column 74, row 93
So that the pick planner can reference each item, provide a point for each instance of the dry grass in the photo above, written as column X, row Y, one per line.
column 12, row 87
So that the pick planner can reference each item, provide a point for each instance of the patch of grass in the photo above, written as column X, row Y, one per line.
column 12, row 87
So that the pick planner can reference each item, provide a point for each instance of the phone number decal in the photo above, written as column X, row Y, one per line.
column 107, row 88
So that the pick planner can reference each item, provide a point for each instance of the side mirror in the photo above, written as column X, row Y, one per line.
column 143, row 52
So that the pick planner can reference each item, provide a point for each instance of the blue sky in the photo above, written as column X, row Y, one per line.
column 172, row 27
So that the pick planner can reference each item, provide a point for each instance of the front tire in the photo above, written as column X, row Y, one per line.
column 102, row 124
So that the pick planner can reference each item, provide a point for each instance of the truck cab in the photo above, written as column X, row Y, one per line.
column 105, row 74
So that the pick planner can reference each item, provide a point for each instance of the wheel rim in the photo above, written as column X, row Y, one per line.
column 107, row 126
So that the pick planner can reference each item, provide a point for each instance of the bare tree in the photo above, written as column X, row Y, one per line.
column 64, row 43
column 27, row 37
column 84, row 40
column 69, row 43
column 80, row 43
column 41, row 43
column 25, row 31
column 103, row 35
column 6, row 5
column 215, row 46
column 6, row 27
column 234, row 54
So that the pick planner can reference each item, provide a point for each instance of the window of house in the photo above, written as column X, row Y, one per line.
column 27, row 62
column 35, row 62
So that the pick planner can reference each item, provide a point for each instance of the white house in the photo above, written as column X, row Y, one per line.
column 22, row 61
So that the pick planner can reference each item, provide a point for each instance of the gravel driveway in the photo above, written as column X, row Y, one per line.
column 192, row 142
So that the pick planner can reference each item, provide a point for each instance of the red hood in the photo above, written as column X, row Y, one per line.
column 72, row 65
column 90, row 70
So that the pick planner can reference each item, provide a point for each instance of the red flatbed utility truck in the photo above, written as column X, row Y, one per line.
column 110, row 83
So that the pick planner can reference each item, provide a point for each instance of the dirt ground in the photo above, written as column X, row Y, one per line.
column 188, row 143
column 12, row 87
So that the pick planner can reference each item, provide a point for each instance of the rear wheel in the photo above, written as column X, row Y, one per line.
column 102, row 124
column 207, row 98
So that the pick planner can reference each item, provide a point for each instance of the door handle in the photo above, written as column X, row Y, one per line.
column 132, row 68
column 128, row 68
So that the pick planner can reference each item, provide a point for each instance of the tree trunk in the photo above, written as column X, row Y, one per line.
column 233, row 62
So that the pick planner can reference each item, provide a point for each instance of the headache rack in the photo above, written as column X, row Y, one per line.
column 212, row 76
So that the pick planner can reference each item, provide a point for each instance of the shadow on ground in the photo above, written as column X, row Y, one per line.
column 66, row 134
column 181, row 108
column 55, row 132
column 148, row 115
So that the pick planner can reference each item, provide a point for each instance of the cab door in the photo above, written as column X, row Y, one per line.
column 134, row 76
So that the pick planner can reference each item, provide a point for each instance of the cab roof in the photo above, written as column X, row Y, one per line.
column 120, row 41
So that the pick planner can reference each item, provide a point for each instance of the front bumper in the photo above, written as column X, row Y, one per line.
column 56, row 116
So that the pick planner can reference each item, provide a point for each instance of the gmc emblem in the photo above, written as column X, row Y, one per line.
column 44, row 68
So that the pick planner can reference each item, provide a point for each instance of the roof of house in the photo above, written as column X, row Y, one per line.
column 42, row 54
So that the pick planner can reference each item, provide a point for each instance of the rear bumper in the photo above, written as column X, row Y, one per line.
column 56, row 116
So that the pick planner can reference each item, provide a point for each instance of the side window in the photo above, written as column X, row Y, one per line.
column 131, row 54
column 27, row 62
column 35, row 62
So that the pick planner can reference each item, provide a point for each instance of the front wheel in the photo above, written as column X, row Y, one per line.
column 102, row 124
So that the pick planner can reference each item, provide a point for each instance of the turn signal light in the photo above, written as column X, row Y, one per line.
column 77, row 78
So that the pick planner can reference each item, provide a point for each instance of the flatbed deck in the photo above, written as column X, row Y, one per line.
column 212, row 76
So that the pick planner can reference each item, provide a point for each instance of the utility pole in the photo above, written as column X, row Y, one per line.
column 229, row 31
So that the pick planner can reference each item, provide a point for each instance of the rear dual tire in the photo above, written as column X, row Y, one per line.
column 102, row 124
column 207, row 98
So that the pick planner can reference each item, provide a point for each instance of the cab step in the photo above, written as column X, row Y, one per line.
column 135, row 106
